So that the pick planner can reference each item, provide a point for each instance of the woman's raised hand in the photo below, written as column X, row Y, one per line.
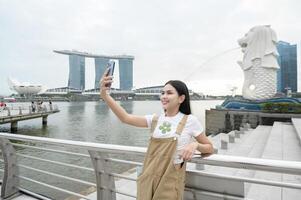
column 105, row 84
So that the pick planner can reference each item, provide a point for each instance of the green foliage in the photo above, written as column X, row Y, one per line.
column 281, row 107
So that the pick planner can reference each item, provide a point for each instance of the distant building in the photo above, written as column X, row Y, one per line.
column 126, row 73
column 287, row 74
column 76, row 72
column 150, row 90
column 154, row 90
column 25, row 88
column 62, row 90
column 100, row 67
column 77, row 68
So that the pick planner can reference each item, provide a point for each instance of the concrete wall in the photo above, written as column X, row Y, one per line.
column 218, row 121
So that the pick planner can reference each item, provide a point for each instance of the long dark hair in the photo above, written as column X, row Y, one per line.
column 182, row 89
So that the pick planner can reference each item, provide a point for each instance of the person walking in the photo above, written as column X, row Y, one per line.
column 33, row 107
column 171, row 143
column 50, row 105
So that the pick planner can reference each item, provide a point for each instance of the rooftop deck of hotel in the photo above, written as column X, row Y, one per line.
column 261, row 163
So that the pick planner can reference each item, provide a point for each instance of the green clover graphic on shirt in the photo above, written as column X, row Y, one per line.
column 165, row 127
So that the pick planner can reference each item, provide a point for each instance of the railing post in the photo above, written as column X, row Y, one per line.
column 10, row 180
column 20, row 110
column 44, row 120
column 105, row 182
column 14, row 126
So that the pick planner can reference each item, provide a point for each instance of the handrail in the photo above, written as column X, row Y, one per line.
column 96, row 151
column 279, row 166
column 51, row 150
column 249, row 180
column 90, row 146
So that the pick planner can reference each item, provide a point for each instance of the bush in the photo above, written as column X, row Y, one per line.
column 281, row 107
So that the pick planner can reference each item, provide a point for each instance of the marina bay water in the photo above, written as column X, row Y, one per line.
column 86, row 121
column 95, row 122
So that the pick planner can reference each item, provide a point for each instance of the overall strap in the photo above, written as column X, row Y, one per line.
column 181, row 125
column 154, row 123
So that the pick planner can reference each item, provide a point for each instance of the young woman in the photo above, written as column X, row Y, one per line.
column 171, row 143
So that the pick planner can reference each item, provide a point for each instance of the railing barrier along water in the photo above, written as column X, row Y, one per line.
column 105, row 176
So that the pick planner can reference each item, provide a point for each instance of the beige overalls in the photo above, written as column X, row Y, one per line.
column 161, row 179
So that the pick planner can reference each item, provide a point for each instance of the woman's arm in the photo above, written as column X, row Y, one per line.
column 134, row 120
column 202, row 144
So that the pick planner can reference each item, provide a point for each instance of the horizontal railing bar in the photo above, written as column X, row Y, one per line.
column 248, row 180
column 51, row 150
column 124, row 161
column 110, row 148
column 215, row 194
column 56, row 162
column 53, row 187
column 33, row 194
column 112, row 174
column 122, row 176
column 123, row 193
column 77, row 154
column 58, row 175
column 278, row 166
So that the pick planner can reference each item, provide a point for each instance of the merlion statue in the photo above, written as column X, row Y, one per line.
column 259, row 63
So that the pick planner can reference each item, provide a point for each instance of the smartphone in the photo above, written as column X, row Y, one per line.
column 110, row 72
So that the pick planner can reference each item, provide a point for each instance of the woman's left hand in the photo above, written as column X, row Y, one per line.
column 189, row 150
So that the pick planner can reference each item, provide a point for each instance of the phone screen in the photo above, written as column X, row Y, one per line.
column 110, row 66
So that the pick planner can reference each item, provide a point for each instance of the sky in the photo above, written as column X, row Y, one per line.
column 187, row 40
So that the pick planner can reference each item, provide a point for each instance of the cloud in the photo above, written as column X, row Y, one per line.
column 169, row 39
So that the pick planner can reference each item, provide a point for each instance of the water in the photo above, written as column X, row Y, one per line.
column 95, row 122
column 86, row 121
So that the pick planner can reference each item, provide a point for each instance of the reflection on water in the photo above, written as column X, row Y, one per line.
column 128, row 106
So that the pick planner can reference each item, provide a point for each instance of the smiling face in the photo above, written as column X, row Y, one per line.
column 170, row 98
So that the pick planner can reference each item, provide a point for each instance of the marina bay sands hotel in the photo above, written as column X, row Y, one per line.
column 77, row 68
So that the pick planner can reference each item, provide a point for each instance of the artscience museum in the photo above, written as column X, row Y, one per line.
column 25, row 88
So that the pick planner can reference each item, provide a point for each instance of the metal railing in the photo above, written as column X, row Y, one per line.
column 101, row 159
column 23, row 109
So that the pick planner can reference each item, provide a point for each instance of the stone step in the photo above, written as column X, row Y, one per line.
column 281, row 145
column 241, row 147
column 273, row 150
column 292, row 152
column 256, row 151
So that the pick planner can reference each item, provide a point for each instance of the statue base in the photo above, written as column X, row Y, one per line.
column 236, row 103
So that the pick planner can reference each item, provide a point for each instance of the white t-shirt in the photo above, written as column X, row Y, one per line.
column 167, row 126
